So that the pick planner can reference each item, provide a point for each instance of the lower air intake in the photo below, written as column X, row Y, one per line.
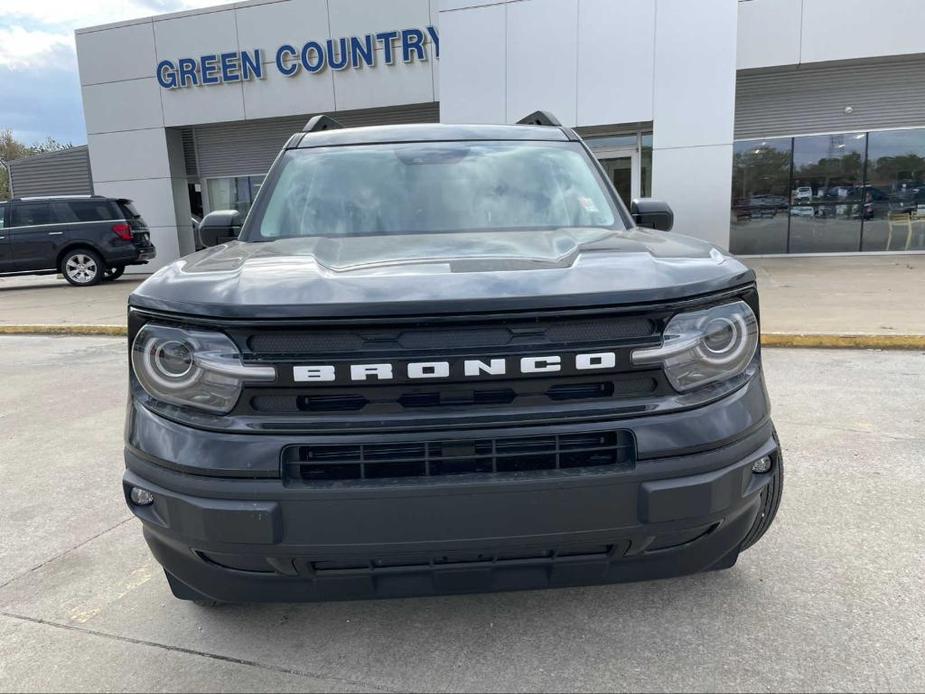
column 457, row 457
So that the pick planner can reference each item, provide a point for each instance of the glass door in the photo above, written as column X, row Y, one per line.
column 620, row 157
column 623, row 172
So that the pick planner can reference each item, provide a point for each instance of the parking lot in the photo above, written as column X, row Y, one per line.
column 831, row 599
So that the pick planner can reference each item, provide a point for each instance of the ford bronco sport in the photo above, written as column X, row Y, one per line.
column 445, row 358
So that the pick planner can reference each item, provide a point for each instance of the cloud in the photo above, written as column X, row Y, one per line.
column 21, row 48
column 68, row 15
column 38, row 63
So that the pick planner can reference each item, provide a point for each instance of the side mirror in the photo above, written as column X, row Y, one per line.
column 653, row 214
column 219, row 227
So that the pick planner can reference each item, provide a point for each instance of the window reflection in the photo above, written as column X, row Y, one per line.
column 760, row 198
column 894, row 197
column 234, row 192
column 844, row 192
column 828, row 176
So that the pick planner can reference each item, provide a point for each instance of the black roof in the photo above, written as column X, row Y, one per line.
column 429, row 132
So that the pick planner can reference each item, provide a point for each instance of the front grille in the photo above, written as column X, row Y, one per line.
column 449, row 338
column 501, row 456
column 385, row 399
column 452, row 339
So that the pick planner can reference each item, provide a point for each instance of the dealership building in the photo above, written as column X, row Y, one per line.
column 770, row 126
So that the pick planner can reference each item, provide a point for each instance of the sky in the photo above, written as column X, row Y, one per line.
column 39, row 85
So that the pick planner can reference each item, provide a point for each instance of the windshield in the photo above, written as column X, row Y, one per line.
column 430, row 187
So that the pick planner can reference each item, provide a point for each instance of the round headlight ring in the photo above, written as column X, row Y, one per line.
column 173, row 359
column 154, row 356
column 737, row 343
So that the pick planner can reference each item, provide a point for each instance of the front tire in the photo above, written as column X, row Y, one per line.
column 82, row 267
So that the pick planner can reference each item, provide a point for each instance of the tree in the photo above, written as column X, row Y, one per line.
column 12, row 149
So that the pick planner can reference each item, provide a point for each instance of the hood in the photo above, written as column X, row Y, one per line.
column 439, row 273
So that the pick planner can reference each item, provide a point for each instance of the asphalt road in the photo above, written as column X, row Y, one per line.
column 831, row 598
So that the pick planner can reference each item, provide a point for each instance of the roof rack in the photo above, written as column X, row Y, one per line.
column 322, row 122
column 540, row 118
column 27, row 198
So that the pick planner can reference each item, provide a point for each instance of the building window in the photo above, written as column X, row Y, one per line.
column 829, row 193
column 645, row 151
column 233, row 193
column 627, row 161
column 761, row 196
column 894, row 197
column 828, row 174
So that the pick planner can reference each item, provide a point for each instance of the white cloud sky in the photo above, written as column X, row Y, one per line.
column 38, row 64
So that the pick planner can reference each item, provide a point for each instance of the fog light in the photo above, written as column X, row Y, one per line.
column 762, row 465
column 141, row 497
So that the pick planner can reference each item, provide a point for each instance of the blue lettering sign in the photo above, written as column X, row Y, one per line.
column 186, row 68
column 166, row 74
column 355, row 52
column 338, row 59
column 386, row 38
column 209, row 69
column 285, row 62
column 230, row 67
column 308, row 50
column 251, row 67
column 362, row 51
column 412, row 41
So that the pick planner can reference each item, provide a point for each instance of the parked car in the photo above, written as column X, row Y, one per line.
column 441, row 359
column 803, row 193
column 86, row 238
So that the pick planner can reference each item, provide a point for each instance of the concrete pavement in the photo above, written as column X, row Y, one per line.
column 869, row 295
column 877, row 295
column 829, row 600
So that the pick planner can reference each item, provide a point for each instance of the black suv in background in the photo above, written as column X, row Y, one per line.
column 87, row 238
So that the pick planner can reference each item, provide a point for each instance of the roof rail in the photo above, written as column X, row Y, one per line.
column 322, row 122
column 87, row 196
column 540, row 118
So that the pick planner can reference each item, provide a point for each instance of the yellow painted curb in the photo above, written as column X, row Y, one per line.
column 113, row 330
column 825, row 341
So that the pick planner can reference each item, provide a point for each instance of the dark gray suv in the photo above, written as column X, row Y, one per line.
column 86, row 238
column 445, row 358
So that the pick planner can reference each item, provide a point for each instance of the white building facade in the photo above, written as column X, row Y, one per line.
column 770, row 126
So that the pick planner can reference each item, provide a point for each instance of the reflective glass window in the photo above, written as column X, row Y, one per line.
column 31, row 214
column 894, row 197
column 234, row 192
column 827, row 193
column 760, row 196
column 645, row 165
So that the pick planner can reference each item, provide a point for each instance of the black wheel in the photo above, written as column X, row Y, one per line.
column 82, row 267
column 113, row 273
column 770, row 502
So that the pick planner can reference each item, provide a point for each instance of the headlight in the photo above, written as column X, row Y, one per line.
column 701, row 347
column 192, row 368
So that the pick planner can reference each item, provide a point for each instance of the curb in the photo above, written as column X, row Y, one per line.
column 68, row 329
column 790, row 340
column 847, row 341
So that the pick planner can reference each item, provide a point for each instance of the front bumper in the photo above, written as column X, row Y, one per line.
column 250, row 540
